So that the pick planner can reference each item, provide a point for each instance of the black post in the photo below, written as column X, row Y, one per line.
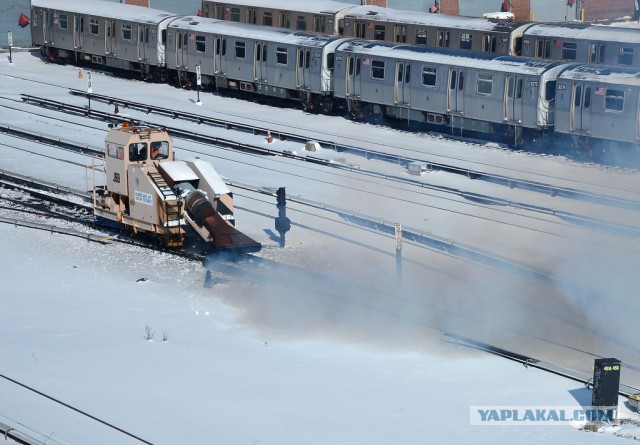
column 283, row 224
column 10, row 57
column 198, row 88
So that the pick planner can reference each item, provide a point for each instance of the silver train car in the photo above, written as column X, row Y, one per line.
column 374, row 23
column 268, row 61
column 599, row 107
column 318, row 16
column 599, row 45
column 502, row 95
column 125, row 37
column 570, row 42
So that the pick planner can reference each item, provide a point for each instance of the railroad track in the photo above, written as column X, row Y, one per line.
column 618, row 229
column 511, row 182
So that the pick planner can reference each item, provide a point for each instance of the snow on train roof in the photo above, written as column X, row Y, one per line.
column 586, row 32
column 315, row 6
column 425, row 18
column 279, row 35
column 461, row 58
column 109, row 10
column 604, row 74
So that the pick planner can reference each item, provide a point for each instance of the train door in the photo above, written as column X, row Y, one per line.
column 580, row 115
column 143, row 42
column 596, row 53
column 513, row 98
column 443, row 38
column 353, row 75
column 303, row 72
column 78, row 32
column 403, row 87
column 260, row 57
column 543, row 49
column 110, row 36
column 182, row 48
column 48, row 26
column 455, row 94
column 220, row 55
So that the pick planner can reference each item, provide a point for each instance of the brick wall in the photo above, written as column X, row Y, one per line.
column 137, row 2
column 450, row 7
column 521, row 9
column 382, row 3
column 611, row 9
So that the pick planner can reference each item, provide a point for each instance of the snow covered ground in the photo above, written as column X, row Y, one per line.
column 320, row 349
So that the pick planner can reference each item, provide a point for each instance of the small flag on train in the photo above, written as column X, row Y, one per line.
column 23, row 21
column 80, row 73
column 269, row 137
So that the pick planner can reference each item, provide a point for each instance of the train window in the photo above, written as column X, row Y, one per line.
column 489, row 43
column 465, row 40
column 63, row 21
column 452, row 83
column 185, row 39
column 519, row 89
column 235, row 14
column 421, row 36
column 401, row 33
column 267, row 19
column 351, row 66
column 443, row 38
column 484, row 84
column 614, row 100
column 341, row 27
column 285, row 19
column 160, row 150
column 377, row 69
column 201, row 46
column 301, row 23
column 164, row 37
column 126, row 32
column 258, row 52
column 400, row 72
column 281, row 56
column 264, row 52
column 219, row 12
column 239, row 50
column 550, row 90
column 252, row 16
column 407, row 74
column 360, row 30
column 115, row 151
column 319, row 24
column 307, row 60
column 379, row 32
column 510, row 84
column 330, row 61
column 577, row 99
column 587, row 97
column 94, row 27
column 597, row 53
column 461, row 81
column 625, row 56
column 569, row 51
column 138, row 151
column 429, row 76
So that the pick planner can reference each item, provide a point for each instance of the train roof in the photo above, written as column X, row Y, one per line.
column 461, row 58
column 267, row 33
column 605, row 74
column 314, row 7
column 108, row 10
column 585, row 31
column 425, row 18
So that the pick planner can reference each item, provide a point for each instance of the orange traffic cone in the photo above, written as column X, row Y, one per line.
column 269, row 137
column 80, row 73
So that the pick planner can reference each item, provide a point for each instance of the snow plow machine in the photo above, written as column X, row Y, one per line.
column 147, row 190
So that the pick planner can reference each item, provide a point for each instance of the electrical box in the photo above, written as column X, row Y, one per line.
column 606, row 382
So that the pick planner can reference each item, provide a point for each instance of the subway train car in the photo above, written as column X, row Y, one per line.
column 599, row 107
column 602, row 45
column 119, row 36
column 319, row 16
column 268, row 61
column 435, row 30
column 502, row 96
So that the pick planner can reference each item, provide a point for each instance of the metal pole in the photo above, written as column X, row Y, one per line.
column 399, row 253
column 10, row 56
